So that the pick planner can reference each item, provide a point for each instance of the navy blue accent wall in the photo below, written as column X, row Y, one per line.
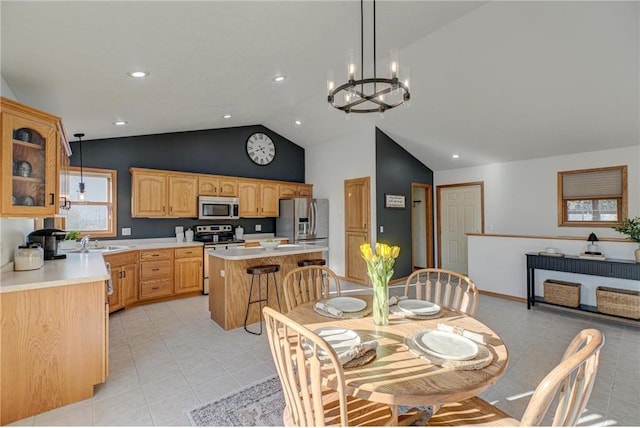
column 214, row 151
column 396, row 169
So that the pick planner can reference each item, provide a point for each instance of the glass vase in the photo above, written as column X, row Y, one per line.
column 380, row 301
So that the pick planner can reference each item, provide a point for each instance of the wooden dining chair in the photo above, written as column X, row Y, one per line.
column 569, row 385
column 309, row 284
column 445, row 288
column 303, row 359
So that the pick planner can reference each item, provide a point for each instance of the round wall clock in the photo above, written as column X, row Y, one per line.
column 261, row 149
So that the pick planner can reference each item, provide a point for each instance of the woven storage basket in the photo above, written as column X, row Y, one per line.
column 614, row 301
column 563, row 293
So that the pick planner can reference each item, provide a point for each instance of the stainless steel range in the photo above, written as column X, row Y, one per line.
column 215, row 237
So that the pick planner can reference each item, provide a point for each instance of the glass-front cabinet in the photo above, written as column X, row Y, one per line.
column 30, row 150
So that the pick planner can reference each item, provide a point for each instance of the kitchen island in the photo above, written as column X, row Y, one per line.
column 229, row 281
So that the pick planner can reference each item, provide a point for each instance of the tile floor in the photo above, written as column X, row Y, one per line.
column 169, row 357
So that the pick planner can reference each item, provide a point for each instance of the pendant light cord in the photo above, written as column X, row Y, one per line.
column 81, row 176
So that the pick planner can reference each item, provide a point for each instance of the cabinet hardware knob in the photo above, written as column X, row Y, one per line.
column 155, row 270
column 155, row 288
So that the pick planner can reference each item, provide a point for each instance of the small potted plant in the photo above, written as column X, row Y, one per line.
column 69, row 242
column 631, row 228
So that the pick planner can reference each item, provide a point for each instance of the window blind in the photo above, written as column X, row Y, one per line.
column 592, row 184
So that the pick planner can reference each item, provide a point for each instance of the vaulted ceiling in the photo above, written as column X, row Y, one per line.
column 493, row 81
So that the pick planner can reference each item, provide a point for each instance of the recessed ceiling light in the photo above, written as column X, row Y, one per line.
column 226, row 116
column 455, row 156
column 138, row 74
column 279, row 78
column 298, row 122
column 120, row 122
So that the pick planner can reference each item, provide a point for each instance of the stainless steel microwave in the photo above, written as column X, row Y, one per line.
column 218, row 208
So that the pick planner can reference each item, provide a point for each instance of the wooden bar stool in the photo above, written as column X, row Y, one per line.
column 312, row 262
column 259, row 271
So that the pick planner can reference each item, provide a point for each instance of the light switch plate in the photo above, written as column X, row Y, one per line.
column 126, row 231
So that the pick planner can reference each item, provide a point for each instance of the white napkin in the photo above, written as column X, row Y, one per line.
column 476, row 337
column 328, row 309
column 357, row 351
column 393, row 300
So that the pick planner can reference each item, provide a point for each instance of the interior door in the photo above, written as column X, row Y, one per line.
column 421, row 226
column 460, row 211
column 357, row 215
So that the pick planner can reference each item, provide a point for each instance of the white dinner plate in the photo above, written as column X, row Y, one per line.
column 340, row 339
column 418, row 307
column 347, row 304
column 446, row 345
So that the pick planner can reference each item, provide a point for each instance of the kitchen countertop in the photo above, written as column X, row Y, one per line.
column 258, row 252
column 77, row 268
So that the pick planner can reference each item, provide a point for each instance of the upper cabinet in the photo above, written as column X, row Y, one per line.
column 163, row 194
column 217, row 186
column 30, row 161
column 258, row 198
column 294, row 190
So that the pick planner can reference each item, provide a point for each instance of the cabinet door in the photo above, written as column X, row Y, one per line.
column 305, row 190
column 129, row 284
column 228, row 187
column 249, row 195
column 148, row 194
column 270, row 198
column 115, row 298
column 288, row 190
column 29, row 157
column 208, row 186
column 64, row 191
column 188, row 275
column 182, row 196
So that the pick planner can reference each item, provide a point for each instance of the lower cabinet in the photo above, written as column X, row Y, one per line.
column 124, row 277
column 188, row 274
column 156, row 273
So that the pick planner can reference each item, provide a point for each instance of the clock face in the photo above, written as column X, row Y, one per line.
column 261, row 149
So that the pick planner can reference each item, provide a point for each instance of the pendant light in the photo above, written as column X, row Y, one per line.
column 370, row 95
column 81, row 189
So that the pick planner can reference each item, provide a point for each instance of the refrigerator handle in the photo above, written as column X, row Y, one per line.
column 315, row 218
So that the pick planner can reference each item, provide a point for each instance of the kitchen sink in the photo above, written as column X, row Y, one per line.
column 103, row 249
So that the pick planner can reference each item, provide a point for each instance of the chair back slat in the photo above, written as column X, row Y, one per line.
column 570, row 383
column 309, row 284
column 303, row 359
column 445, row 288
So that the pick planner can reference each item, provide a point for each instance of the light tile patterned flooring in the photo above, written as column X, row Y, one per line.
column 169, row 357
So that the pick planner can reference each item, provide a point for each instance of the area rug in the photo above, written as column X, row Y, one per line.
column 259, row 405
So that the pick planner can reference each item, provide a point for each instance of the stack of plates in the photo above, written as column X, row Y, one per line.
column 340, row 339
column 418, row 307
column 347, row 304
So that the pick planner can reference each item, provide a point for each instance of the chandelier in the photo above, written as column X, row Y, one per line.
column 371, row 95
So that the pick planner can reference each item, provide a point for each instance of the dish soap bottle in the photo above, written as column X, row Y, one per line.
column 188, row 234
column 239, row 232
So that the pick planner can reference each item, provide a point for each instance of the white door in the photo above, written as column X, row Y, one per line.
column 460, row 213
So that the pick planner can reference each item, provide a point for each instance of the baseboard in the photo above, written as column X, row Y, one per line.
column 503, row 296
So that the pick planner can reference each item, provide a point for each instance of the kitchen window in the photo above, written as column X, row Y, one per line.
column 96, row 214
column 592, row 197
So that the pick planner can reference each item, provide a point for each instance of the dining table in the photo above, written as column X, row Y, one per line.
column 399, row 374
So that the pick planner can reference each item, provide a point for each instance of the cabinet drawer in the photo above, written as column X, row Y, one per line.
column 181, row 253
column 121, row 259
column 156, row 288
column 162, row 254
column 156, row 269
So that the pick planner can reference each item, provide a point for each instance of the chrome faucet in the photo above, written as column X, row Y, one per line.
column 83, row 244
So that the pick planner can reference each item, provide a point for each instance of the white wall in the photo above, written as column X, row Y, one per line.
column 327, row 167
column 521, row 197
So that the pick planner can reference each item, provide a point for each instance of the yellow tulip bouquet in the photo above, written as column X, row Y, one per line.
column 380, row 270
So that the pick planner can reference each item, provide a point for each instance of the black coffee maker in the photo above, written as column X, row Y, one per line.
column 48, row 239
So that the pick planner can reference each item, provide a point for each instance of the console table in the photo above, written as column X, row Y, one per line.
column 610, row 268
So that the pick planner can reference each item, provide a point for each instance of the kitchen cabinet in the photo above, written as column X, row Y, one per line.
column 293, row 190
column 29, row 166
column 156, row 273
column 217, row 186
column 258, row 198
column 124, row 278
column 163, row 194
column 64, row 189
column 188, row 267
column 55, row 346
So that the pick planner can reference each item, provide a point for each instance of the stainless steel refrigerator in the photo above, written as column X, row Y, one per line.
column 304, row 221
